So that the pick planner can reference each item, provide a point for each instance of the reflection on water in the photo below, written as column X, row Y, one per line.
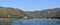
column 31, row 22
column 5, row 22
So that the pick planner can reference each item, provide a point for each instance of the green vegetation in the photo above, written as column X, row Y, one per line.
column 12, row 13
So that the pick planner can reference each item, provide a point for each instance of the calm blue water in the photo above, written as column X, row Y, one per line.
column 36, row 22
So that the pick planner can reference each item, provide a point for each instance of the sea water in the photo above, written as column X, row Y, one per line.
column 36, row 22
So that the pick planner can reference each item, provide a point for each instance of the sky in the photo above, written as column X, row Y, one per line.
column 31, row 5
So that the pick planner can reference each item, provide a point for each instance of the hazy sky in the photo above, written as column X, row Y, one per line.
column 31, row 5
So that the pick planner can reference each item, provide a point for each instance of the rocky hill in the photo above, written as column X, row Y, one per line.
column 49, row 13
column 11, row 13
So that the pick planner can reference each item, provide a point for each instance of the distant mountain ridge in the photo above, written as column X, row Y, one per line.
column 49, row 13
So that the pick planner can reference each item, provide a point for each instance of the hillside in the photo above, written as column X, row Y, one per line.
column 11, row 13
column 49, row 13
column 15, row 13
